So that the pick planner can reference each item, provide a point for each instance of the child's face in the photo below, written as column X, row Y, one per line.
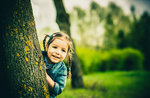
column 57, row 50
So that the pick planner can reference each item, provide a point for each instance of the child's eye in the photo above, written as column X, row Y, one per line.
column 63, row 50
column 54, row 47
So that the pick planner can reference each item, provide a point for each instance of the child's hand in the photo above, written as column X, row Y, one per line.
column 45, row 67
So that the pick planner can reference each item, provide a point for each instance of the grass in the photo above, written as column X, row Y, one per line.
column 111, row 85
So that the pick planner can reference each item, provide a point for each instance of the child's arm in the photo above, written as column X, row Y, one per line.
column 49, row 80
column 60, row 82
column 58, row 85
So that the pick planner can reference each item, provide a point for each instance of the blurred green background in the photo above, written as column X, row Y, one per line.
column 112, row 46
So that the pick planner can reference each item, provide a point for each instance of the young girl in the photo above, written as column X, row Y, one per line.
column 57, row 48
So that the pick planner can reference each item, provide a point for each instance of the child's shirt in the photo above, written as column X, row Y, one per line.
column 58, row 73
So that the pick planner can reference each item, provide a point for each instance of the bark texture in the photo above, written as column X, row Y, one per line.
column 22, row 69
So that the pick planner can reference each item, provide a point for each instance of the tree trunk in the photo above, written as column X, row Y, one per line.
column 64, row 25
column 21, row 65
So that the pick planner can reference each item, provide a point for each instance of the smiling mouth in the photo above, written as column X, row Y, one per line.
column 55, row 56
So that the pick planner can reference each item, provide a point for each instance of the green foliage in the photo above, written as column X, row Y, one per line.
column 139, row 37
column 116, row 84
column 80, row 13
column 116, row 59
column 133, row 59
column 99, row 24
column 88, row 59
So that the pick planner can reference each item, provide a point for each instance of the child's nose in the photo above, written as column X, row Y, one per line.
column 58, row 51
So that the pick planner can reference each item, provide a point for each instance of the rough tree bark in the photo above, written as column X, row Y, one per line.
column 21, row 65
column 63, row 22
